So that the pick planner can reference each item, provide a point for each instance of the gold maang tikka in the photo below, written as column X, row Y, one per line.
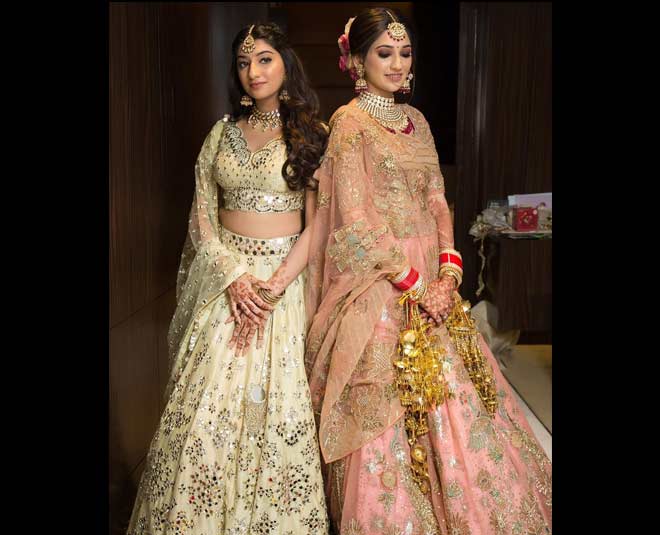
column 396, row 30
column 248, row 43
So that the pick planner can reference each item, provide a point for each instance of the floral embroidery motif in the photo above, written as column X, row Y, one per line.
column 457, row 525
column 484, row 480
column 481, row 431
column 454, row 490
column 388, row 165
column 322, row 200
column 387, row 499
column 353, row 528
column 352, row 245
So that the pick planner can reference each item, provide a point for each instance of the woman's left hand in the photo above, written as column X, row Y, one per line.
column 439, row 299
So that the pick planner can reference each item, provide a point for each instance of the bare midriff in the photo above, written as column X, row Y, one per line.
column 269, row 225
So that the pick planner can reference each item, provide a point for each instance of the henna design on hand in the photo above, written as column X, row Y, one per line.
column 438, row 300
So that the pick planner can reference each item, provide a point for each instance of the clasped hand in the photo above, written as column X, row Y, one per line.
column 249, row 312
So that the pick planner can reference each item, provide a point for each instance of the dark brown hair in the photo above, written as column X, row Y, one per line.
column 304, row 134
column 369, row 24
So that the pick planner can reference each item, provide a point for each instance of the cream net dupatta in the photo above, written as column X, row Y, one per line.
column 207, row 267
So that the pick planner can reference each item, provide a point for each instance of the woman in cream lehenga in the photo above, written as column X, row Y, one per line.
column 236, row 449
column 419, row 431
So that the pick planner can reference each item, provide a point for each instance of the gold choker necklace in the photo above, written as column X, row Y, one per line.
column 383, row 110
column 266, row 120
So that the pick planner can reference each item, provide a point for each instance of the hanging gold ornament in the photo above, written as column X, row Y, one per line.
column 465, row 338
column 420, row 382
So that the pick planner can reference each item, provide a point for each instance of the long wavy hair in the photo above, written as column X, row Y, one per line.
column 367, row 27
column 303, row 131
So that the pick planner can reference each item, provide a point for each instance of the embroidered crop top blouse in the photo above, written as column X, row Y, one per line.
column 253, row 181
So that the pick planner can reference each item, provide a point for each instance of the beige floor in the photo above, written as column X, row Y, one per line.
column 528, row 368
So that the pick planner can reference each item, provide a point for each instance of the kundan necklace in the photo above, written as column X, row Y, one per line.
column 265, row 120
column 383, row 110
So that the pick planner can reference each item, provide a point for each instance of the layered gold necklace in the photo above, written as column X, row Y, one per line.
column 264, row 120
column 383, row 110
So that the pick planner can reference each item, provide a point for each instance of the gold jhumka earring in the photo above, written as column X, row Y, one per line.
column 360, row 83
column 284, row 94
column 405, row 88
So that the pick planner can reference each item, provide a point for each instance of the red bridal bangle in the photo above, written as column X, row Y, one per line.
column 408, row 281
column 451, row 259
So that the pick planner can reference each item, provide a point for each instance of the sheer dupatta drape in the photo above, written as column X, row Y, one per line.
column 352, row 251
column 207, row 267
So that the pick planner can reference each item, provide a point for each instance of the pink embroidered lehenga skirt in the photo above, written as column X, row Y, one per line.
column 488, row 474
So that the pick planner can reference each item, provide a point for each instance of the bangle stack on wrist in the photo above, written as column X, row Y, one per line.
column 268, row 297
column 411, row 282
column 451, row 263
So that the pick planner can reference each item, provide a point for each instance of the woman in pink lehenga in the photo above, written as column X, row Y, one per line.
column 381, row 211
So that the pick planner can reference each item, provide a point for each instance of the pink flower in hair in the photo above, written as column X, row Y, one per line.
column 344, row 46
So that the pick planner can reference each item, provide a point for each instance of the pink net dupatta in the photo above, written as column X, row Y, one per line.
column 352, row 250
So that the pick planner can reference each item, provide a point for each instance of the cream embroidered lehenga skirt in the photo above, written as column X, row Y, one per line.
column 236, row 451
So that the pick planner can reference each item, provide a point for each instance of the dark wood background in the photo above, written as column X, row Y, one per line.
column 483, row 82
column 504, row 119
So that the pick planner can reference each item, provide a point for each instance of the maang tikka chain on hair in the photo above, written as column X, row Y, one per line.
column 395, row 29
column 247, row 47
column 248, row 43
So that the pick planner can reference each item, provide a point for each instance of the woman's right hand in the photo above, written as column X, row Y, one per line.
column 244, row 299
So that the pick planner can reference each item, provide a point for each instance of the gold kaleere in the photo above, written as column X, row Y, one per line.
column 465, row 337
column 420, row 382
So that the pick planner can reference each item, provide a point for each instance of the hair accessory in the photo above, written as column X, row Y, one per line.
column 248, row 43
column 345, row 48
column 395, row 29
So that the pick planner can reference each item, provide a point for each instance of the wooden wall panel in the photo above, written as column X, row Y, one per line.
column 504, row 136
column 135, row 126
column 186, row 115
column 134, row 395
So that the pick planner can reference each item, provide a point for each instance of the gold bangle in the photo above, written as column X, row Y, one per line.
column 268, row 297
column 451, row 267
column 418, row 290
column 452, row 273
column 421, row 292
column 458, row 268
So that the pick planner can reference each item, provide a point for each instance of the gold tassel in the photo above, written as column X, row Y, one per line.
column 420, row 382
column 465, row 337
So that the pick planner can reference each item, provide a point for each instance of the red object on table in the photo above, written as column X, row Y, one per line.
column 525, row 218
